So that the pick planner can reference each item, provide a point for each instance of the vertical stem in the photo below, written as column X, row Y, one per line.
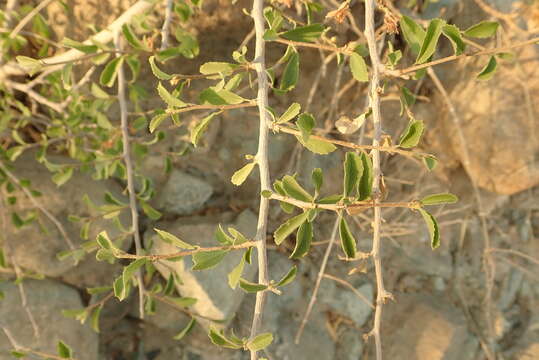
column 370, row 6
column 129, row 169
column 262, row 160
column 165, row 30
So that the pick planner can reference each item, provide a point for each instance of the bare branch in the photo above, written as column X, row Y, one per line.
column 129, row 170
column 263, row 164
column 29, row 17
column 166, row 24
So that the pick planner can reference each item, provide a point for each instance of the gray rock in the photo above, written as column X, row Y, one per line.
column 183, row 194
column 215, row 298
column 350, row 345
column 350, row 305
column 46, row 299
column 36, row 245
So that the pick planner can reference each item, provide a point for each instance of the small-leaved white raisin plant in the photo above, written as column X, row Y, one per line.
column 69, row 115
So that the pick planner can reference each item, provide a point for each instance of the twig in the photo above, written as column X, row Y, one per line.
column 381, row 293
column 352, row 208
column 164, row 300
column 20, row 348
column 34, row 95
column 444, row 60
column 263, row 164
column 347, row 144
column 516, row 253
column 322, row 47
column 488, row 262
column 318, row 281
column 104, row 36
column 351, row 287
column 166, row 24
column 212, row 107
column 156, row 257
column 129, row 172
column 38, row 205
column 28, row 17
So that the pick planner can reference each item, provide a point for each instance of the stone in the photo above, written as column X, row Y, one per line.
column 46, row 299
column 348, row 303
column 35, row 246
column 183, row 194
column 422, row 327
column 530, row 353
column 215, row 298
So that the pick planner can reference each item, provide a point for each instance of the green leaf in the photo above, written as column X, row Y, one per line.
column 156, row 121
column 161, row 75
column 432, row 226
column 437, row 199
column 317, row 146
column 290, row 73
column 128, row 273
column 289, row 227
column 353, row 170
column 31, row 66
column 167, row 97
column 150, row 211
column 365, row 182
column 290, row 113
column 489, row 70
column 411, row 136
column 173, row 240
column 201, row 127
column 207, row 260
column 94, row 318
column 98, row 92
column 222, row 68
column 260, row 342
column 428, row 46
column 289, row 277
column 348, row 242
column 63, row 176
column 104, row 241
column 219, row 97
column 235, row 275
column 251, row 287
column 64, row 351
column 317, row 178
column 430, row 162
column 482, row 30
column 109, row 74
column 359, row 68
column 294, row 190
column 17, row 354
column 98, row 290
column 218, row 338
column 303, row 240
column 305, row 123
column 453, row 34
column 3, row 263
column 133, row 40
column 413, row 33
column 186, row 330
column 241, row 175
column 182, row 301
column 85, row 48
column 308, row 33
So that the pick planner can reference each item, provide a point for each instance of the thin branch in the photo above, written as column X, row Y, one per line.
column 516, row 253
column 312, row 301
column 156, row 257
column 398, row 73
column 341, row 50
column 251, row 103
column 104, row 36
column 351, row 209
column 166, row 24
column 23, row 349
column 34, row 95
column 488, row 262
column 129, row 172
column 347, row 144
column 263, row 164
column 29, row 17
column 351, row 287
column 165, row 300
column 39, row 206
column 381, row 293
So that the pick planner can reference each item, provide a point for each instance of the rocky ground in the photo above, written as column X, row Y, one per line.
column 439, row 308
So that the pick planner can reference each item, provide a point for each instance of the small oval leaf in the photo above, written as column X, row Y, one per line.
column 348, row 242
